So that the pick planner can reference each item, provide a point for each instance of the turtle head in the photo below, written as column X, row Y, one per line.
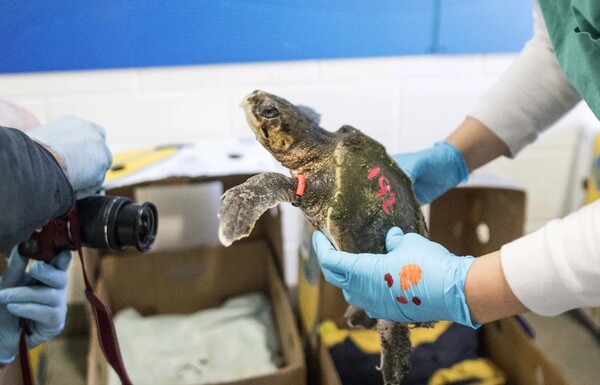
column 278, row 124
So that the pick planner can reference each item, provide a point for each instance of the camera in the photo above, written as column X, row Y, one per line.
column 100, row 222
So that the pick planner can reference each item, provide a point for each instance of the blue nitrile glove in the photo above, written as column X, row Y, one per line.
column 38, row 296
column 434, row 171
column 83, row 149
column 417, row 280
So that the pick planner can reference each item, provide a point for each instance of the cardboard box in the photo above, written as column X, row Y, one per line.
column 456, row 220
column 505, row 342
column 190, row 279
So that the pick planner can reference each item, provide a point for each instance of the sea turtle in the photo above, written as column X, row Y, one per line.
column 347, row 186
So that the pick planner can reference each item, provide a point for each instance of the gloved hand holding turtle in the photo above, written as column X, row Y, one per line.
column 417, row 280
column 434, row 171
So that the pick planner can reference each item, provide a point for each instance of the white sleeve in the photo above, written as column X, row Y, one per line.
column 557, row 268
column 532, row 94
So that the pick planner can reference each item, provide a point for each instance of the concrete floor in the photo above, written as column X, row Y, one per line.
column 572, row 347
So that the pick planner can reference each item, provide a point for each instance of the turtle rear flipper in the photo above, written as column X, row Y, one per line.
column 356, row 316
column 396, row 351
column 244, row 204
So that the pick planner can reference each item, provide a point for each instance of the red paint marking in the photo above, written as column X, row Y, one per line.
column 384, row 186
column 386, row 204
column 416, row 301
column 373, row 173
column 384, row 190
column 301, row 185
column 388, row 278
column 402, row 299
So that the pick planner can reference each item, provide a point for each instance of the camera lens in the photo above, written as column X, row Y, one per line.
column 136, row 225
column 116, row 222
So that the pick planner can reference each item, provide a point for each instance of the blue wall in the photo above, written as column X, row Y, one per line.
column 42, row 35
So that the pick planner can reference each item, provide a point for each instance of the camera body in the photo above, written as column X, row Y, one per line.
column 101, row 222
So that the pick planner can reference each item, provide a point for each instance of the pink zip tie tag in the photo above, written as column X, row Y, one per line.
column 299, row 190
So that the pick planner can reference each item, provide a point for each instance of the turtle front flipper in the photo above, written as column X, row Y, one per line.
column 244, row 204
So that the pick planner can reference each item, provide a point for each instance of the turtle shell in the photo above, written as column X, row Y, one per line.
column 372, row 194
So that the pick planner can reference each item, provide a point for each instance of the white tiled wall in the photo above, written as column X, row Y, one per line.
column 407, row 103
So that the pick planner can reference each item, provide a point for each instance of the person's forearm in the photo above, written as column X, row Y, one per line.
column 33, row 188
column 487, row 292
column 530, row 96
column 478, row 144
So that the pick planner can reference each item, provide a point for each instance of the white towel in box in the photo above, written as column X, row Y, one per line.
column 235, row 341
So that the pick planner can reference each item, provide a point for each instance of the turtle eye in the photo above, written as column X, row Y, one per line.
column 270, row 112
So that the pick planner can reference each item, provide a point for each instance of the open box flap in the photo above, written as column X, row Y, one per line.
column 228, row 162
column 208, row 158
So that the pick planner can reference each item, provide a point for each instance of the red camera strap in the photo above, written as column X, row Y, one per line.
column 23, row 356
column 104, row 321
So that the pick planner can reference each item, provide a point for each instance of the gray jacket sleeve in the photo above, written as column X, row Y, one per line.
column 33, row 188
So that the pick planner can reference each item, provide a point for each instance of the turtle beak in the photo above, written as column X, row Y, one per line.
column 247, row 104
column 247, row 100
column 253, row 98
